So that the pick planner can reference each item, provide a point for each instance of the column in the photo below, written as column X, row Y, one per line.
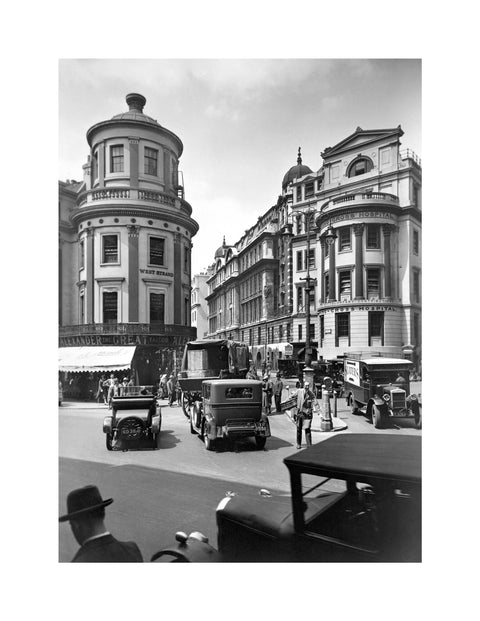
column 90, row 257
column 358, row 230
column 133, row 273
column 101, row 165
column 321, row 272
column 177, row 281
column 332, row 296
column 387, row 231
column 133, row 145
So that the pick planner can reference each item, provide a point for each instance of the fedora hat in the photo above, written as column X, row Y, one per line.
column 83, row 500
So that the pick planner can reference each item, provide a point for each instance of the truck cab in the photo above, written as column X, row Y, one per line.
column 380, row 388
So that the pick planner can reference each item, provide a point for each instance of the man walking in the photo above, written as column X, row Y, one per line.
column 305, row 400
column 86, row 514
column 267, row 390
column 277, row 392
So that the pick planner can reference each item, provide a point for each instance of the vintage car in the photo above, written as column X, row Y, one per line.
column 134, row 423
column 210, row 359
column 230, row 409
column 380, row 388
column 354, row 498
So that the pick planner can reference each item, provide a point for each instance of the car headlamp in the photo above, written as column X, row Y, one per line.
column 386, row 397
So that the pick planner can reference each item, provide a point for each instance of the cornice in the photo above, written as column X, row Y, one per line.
column 109, row 211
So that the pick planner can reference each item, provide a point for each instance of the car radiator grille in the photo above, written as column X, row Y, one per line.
column 398, row 399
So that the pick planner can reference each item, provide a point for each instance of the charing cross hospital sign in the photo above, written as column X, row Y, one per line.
column 362, row 214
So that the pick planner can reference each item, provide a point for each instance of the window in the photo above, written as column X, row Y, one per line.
column 287, row 336
column 299, row 224
column 311, row 259
column 299, row 260
column 416, row 329
column 280, row 333
column 309, row 190
column 116, row 159
column 375, row 325
column 82, row 254
column 373, row 283
column 344, row 239
column 345, row 284
column 110, row 306
column 299, row 193
column 110, row 248
column 360, row 167
column 151, row 161
column 186, row 254
column 416, row 286
column 416, row 242
column 326, row 281
column 187, row 310
column 157, row 307
column 342, row 325
column 299, row 299
column 157, row 251
column 373, row 236
column 322, row 327
column 300, row 335
column 82, row 307
column 95, row 165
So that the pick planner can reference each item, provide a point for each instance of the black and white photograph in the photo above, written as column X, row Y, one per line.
column 239, row 306
column 240, row 310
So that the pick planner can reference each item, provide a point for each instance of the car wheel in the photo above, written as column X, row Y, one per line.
column 156, row 440
column 260, row 442
column 353, row 405
column 209, row 443
column 108, row 441
column 185, row 405
column 418, row 419
column 376, row 417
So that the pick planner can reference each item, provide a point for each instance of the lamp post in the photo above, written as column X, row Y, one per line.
column 308, row 287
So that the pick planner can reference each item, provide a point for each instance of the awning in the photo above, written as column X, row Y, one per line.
column 91, row 359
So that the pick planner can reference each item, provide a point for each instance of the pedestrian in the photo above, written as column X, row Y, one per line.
column 123, row 387
column 131, row 382
column 277, row 392
column 113, row 391
column 400, row 379
column 106, row 387
column 163, row 385
column 305, row 401
column 267, row 390
column 252, row 374
column 99, row 394
column 86, row 514
column 171, row 390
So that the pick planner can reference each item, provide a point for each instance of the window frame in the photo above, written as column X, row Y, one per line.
column 147, row 159
column 341, row 233
column 379, row 271
column 416, row 242
column 371, row 316
column 373, row 227
column 114, row 157
column 104, row 262
column 342, row 316
column 343, row 273
column 106, row 293
column 150, row 294
column 150, row 263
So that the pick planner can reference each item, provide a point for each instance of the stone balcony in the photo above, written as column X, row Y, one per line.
column 361, row 199
column 132, row 197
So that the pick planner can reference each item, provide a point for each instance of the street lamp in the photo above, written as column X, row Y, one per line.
column 330, row 235
column 308, row 281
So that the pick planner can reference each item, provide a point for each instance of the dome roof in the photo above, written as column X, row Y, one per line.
column 135, row 103
column 222, row 251
column 296, row 171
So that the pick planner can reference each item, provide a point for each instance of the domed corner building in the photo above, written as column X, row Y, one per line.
column 124, row 256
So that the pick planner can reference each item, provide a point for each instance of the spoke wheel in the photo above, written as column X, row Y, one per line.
column 376, row 417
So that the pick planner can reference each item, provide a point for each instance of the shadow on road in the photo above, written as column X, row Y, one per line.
column 168, row 439
column 224, row 445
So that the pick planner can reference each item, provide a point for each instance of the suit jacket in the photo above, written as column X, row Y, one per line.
column 107, row 549
column 302, row 396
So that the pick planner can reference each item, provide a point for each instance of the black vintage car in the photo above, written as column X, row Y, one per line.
column 134, row 423
column 354, row 498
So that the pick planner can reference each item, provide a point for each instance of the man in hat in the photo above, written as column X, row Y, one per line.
column 86, row 514
column 277, row 392
column 305, row 401
column 267, row 395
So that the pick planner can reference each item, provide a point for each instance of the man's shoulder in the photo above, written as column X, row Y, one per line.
column 108, row 550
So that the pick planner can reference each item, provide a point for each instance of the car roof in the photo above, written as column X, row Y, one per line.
column 380, row 361
column 362, row 457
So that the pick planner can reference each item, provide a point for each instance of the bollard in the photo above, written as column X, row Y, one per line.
column 326, row 423
column 334, row 404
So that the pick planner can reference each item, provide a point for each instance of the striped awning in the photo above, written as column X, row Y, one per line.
column 92, row 359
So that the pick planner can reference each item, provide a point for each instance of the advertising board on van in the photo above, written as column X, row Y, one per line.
column 352, row 372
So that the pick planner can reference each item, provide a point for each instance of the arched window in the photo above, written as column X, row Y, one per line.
column 360, row 166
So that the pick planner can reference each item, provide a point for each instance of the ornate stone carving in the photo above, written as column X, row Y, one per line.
column 358, row 229
column 133, row 230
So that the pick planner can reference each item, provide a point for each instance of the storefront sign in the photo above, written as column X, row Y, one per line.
column 156, row 272
column 123, row 339
column 345, row 308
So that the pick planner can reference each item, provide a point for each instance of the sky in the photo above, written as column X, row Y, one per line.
column 241, row 122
